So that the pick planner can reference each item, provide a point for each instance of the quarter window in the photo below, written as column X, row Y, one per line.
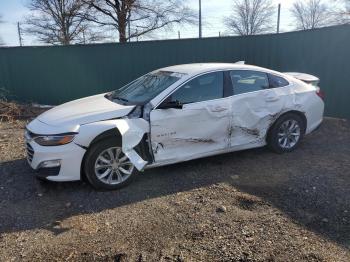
column 277, row 81
column 203, row 88
column 245, row 81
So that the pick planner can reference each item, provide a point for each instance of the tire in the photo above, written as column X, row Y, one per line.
column 289, row 140
column 99, row 160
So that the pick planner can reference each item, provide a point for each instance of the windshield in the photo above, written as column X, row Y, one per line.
column 145, row 88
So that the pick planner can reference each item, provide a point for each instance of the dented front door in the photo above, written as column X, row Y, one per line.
column 195, row 130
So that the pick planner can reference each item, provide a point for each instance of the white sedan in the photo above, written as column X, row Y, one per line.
column 171, row 115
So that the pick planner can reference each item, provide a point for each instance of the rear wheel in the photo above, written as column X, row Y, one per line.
column 107, row 167
column 286, row 133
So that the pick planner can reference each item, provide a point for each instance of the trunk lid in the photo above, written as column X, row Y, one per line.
column 307, row 78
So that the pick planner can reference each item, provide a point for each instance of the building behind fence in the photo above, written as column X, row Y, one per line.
column 56, row 74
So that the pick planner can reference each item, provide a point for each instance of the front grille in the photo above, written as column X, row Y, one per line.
column 30, row 152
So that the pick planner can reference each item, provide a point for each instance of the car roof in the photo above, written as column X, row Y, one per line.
column 198, row 68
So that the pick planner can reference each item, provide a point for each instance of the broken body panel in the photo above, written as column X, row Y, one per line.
column 225, row 125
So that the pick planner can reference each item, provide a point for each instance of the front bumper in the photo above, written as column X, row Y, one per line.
column 69, row 155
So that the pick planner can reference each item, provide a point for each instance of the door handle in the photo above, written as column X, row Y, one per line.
column 218, row 109
column 271, row 99
column 270, row 95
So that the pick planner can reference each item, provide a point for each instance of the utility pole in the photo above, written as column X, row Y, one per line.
column 178, row 34
column 200, row 18
column 129, row 26
column 278, row 18
column 19, row 34
column 84, row 38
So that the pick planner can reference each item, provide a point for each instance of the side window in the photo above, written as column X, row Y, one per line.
column 202, row 88
column 244, row 81
column 277, row 81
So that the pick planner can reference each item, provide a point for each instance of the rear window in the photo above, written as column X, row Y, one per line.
column 277, row 81
column 245, row 81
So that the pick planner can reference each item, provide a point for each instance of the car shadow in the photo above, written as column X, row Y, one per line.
column 311, row 185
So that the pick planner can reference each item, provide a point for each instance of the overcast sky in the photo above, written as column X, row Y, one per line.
column 213, row 13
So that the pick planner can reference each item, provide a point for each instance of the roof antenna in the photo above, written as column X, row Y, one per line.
column 240, row 62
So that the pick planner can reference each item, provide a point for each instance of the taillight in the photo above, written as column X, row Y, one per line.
column 320, row 93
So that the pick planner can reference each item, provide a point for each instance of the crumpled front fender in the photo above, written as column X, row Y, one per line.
column 132, row 132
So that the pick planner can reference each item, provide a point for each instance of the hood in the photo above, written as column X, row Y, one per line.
column 83, row 111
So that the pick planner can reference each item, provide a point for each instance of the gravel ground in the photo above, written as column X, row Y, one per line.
column 252, row 205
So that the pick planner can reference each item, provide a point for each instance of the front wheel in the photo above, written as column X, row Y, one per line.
column 286, row 133
column 107, row 167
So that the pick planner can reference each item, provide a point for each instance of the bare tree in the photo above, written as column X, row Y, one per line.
column 310, row 14
column 60, row 22
column 143, row 16
column 343, row 13
column 250, row 17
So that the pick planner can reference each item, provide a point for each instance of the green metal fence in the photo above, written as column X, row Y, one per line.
column 52, row 75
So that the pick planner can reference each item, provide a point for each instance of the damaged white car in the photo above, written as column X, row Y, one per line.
column 170, row 115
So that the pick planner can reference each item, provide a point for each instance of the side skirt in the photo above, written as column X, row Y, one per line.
column 212, row 153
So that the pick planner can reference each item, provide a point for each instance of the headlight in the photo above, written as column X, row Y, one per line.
column 54, row 140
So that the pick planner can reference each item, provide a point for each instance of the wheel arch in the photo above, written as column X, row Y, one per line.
column 142, row 148
column 112, row 132
column 295, row 112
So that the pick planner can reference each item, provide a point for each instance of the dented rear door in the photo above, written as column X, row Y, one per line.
column 254, row 108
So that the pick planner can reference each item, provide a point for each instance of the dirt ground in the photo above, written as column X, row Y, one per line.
column 245, row 206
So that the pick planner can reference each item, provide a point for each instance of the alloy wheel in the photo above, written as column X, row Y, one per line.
column 112, row 166
column 289, row 134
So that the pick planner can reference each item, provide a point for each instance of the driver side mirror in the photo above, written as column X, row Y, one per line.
column 168, row 103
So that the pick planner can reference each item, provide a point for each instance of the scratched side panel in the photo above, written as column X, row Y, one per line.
column 248, row 119
column 180, row 134
column 310, row 104
column 254, row 113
